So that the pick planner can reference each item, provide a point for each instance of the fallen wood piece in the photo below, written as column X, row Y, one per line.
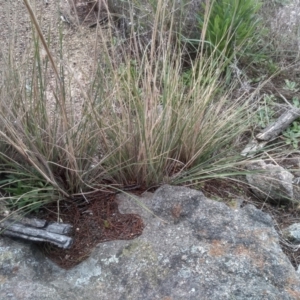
column 283, row 122
column 271, row 132
column 59, row 228
column 38, row 230
column 37, row 223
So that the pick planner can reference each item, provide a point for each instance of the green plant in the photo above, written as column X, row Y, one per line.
column 282, row 2
column 228, row 27
column 296, row 102
column 290, row 85
column 261, row 65
column 23, row 193
column 292, row 134
column 265, row 112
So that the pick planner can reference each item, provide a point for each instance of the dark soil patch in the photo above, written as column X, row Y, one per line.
column 95, row 219
column 226, row 190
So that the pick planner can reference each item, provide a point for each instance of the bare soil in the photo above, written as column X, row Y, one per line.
column 80, row 44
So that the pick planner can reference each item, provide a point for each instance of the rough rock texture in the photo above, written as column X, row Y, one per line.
column 292, row 233
column 195, row 248
column 292, row 164
column 271, row 182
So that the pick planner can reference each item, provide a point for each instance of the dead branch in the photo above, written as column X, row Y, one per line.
column 38, row 231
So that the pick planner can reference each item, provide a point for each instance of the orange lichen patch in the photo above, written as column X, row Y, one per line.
column 292, row 281
column 202, row 233
column 241, row 250
column 176, row 211
column 256, row 258
column 201, row 261
column 293, row 293
column 3, row 279
column 217, row 248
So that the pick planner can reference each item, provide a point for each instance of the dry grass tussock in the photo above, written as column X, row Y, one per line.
column 87, row 110
column 132, row 117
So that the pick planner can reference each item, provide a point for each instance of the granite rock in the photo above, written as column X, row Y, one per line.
column 193, row 248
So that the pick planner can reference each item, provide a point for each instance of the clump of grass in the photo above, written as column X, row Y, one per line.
column 140, row 123
column 163, row 127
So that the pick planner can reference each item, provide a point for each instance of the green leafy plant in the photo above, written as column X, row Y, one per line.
column 228, row 26
column 261, row 65
column 265, row 112
column 21, row 192
column 296, row 102
column 290, row 85
column 292, row 134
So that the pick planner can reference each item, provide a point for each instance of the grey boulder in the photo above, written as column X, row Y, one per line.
column 270, row 181
column 193, row 248
column 292, row 233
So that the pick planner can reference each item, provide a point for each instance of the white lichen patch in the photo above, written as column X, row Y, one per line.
column 110, row 260
column 83, row 273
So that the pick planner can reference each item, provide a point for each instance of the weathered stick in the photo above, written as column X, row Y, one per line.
column 38, row 230
column 271, row 132
column 283, row 122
